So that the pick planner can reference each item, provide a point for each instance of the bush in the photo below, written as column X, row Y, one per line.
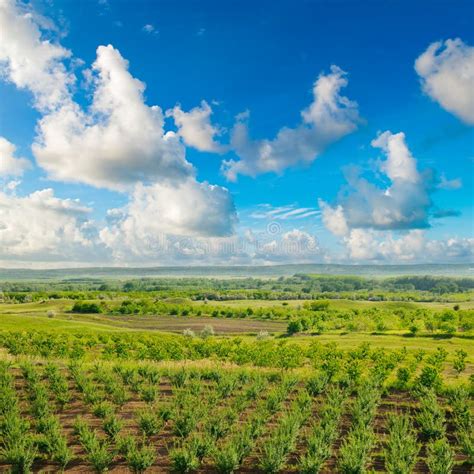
column 355, row 450
column 188, row 333
column 207, row 331
column 294, row 327
column 103, row 409
column 429, row 378
column 184, row 460
column 20, row 454
column 100, row 456
column 226, row 459
column 402, row 447
column 459, row 362
column 149, row 423
column 440, row 457
column 149, row 393
column 62, row 454
column 431, row 417
column 112, row 426
column 86, row 308
column 139, row 459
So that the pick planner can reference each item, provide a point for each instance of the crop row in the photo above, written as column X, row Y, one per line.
column 183, row 419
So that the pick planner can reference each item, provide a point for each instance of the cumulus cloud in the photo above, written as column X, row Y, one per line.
column 195, row 127
column 334, row 218
column 404, row 204
column 43, row 227
column 10, row 164
column 446, row 70
column 370, row 245
column 29, row 60
column 328, row 118
column 160, row 211
column 385, row 223
column 119, row 141
column 293, row 246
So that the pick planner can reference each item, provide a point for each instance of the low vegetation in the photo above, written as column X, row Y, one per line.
column 80, row 392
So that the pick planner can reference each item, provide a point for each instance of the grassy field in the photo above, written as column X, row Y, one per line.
column 167, row 384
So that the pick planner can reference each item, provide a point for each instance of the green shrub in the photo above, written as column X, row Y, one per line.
column 402, row 448
column 440, row 456
column 431, row 417
column 226, row 459
column 149, row 423
column 459, row 362
column 183, row 460
column 21, row 454
column 112, row 426
column 87, row 308
column 100, row 456
column 139, row 459
column 148, row 393
column 294, row 326
column 103, row 409
column 355, row 450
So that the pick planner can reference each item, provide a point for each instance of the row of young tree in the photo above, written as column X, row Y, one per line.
column 227, row 418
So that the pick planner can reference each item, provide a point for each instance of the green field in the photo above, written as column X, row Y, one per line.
column 216, row 376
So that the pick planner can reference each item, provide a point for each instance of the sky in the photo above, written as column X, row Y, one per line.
column 238, row 132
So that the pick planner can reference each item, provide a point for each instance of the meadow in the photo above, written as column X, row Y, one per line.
column 304, row 374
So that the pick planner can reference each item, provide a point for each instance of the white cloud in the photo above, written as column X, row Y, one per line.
column 11, row 165
column 293, row 246
column 119, row 141
column 158, row 212
column 370, row 245
column 446, row 70
column 328, row 118
column 400, row 164
column 291, row 211
column 334, row 218
column 195, row 127
column 30, row 61
column 43, row 227
column 404, row 204
column 150, row 29
column 445, row 183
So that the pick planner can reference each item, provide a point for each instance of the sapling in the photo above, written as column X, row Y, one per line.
column 459, row 362
column 183, row 460
column 226, row 459
column 431, row 417
column 402, row 447
column 100, row 456
column 140, row 458
column 440, row 456
column 112, row 426
column 149, row 422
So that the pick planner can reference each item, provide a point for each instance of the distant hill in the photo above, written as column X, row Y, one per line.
column 454, row 270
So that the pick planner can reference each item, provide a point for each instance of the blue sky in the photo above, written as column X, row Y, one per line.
column 127, row 184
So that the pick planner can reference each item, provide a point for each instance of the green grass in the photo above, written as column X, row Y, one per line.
column 104, row 323
column 34, row 316
column 57, row 324
column 339, row 304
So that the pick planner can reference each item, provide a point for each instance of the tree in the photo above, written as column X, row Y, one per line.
column 294, row 327
column 459, row 362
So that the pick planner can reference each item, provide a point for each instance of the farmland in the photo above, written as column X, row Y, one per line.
column 304, row 374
